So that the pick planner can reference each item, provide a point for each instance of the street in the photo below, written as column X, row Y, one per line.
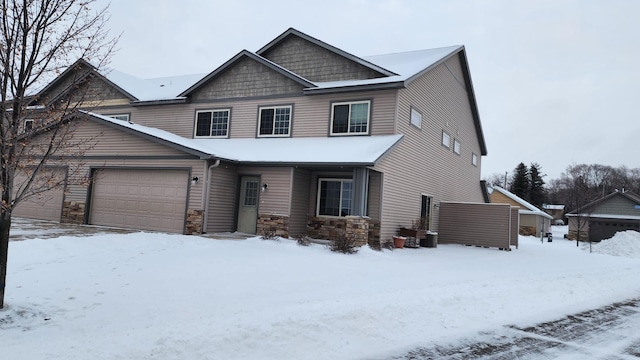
column 611, row 332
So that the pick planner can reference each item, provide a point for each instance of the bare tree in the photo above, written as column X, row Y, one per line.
column 38, row 39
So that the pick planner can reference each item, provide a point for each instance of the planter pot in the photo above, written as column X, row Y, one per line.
column 398, row 241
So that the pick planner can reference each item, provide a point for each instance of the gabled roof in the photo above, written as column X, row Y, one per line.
column 241, row 55
column 312, row 151
column 322, row 44
column 528, row 207
column 633, row 197
column 91, row 71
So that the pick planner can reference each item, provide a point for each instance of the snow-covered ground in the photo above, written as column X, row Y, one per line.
column 158, row 296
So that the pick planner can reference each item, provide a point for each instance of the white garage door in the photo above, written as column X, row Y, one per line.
column 140, row 199
column 44, row 206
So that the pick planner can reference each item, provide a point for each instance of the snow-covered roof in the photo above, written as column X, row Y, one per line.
column 530, row 209
column 349, row 150
column 607, row 216
column 163, row 88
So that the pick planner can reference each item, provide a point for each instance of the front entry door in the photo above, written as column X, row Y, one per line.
column 248, row 204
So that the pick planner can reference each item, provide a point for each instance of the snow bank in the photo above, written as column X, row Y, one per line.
column 623, row 243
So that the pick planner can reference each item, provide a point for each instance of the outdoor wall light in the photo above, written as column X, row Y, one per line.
column 194, row 180
column 264, row 187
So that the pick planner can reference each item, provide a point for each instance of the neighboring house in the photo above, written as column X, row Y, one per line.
column 618, row 211
column 556, row 211
column 299, row 137
column 533, row 221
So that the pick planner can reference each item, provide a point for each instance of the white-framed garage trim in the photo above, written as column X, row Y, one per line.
column 146, row 198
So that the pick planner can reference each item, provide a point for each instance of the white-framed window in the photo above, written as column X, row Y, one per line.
column 446, row 139
column 123, row 117
column 416, row 118
column 28, row 125
column 350, row 118
column 334, row 197
column 474, row 159
column 212, row 123
column 456, row 146
column 274, row 121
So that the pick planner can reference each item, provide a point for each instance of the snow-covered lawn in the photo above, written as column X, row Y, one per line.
column 157, row 296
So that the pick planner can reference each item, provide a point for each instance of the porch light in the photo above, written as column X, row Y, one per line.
column 264, row 187
column 194, row 180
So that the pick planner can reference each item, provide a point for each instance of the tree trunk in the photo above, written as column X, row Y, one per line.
column 5, row 224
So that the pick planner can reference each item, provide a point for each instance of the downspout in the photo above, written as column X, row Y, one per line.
column 207, row 191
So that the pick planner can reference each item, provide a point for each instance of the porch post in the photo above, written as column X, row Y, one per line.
column 360, row 191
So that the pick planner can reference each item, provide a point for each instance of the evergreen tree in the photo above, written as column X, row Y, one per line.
column 537, row 192
column 520, row 182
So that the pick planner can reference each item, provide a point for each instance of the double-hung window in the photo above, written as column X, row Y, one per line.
column 334, row 197
column 28, row 125
column 212, row 123
column 350, row 118
column 274, row 121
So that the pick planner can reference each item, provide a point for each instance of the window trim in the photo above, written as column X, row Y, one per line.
column 442, row 141
column 413, row 110
column 126, row 116
column 24, row 125
column 274, row 107
column 474, row 159
column 341, row 180
column 349, row 133
column 195, row 123
column 457, row 146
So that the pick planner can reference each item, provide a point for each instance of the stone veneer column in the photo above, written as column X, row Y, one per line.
column 358, row 229
column 278, row 225
column 73, row 212
column 194, row 222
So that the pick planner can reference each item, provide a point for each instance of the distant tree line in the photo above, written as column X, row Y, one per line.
column 580, row 184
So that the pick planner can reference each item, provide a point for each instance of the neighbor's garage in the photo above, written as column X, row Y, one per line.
column 44, row 206
column 140, row 199
column 607, row 228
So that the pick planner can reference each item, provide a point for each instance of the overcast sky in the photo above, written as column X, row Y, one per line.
column 556, row 81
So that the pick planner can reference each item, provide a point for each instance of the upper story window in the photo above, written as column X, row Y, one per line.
column 28, row 125
column 274, row 121
column 456, row 146
column 212, row 123
column 416, row 118
column 350, row 118
column 123, row 117
column 446, row 139
column 474, row 159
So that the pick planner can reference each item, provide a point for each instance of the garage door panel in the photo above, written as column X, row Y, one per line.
column 140, row 199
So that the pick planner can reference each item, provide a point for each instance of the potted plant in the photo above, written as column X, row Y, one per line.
column 398, row 241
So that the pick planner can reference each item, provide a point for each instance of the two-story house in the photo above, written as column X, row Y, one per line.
column 299, row 137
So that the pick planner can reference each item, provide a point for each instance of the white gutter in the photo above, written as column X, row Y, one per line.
column 207, row 191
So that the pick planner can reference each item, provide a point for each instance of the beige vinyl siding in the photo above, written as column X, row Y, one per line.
column 299, row 200
column 375, row 195
column 617, row 205
column 222, row 199
column 484, row 224
column 419, row 163
column 310, row 117
column 276, row 199
column 116, row 148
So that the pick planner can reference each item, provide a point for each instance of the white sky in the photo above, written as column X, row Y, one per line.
column 555, row 80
